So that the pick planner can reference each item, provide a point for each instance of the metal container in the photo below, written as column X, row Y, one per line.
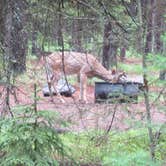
column 117, row 92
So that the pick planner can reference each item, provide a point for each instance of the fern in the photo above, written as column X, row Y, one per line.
column 29, row 141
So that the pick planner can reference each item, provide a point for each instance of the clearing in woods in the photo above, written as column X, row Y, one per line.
column 91, row 115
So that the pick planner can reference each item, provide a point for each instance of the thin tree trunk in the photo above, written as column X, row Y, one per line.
column 147, row 50
column 19, row 36
column 34, row 40
column 161, row 28
column 122, row 53
column 148, row 111
column 154, row 26
column 79, row 31
column 113, row 55
column 2, row 20
column 140, row 30
column 106, row 45
column 109, row 57
column 60, row 23
column 76, row 33
column 148, row 44
column 8, row 52
column 59, row 28
column 160, row 22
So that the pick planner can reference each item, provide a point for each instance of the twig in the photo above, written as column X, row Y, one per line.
column 113, row 116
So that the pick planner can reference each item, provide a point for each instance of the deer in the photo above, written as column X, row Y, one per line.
column 85, row 65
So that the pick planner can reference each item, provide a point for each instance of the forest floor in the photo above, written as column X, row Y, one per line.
column 93, row 115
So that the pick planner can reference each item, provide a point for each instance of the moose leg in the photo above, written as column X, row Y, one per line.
column 54, row 85
column 78, row 78
column 83, row 83
column 50, row 85
column 50, row 79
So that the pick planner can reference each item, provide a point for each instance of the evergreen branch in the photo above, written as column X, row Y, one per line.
column 128, row 12
column 112, row 16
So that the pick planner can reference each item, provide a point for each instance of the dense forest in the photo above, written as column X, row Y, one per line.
column 116, row 37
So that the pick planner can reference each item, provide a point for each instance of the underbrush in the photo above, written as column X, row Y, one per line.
column 115, row 149
column 30, row 138
column 132, row 68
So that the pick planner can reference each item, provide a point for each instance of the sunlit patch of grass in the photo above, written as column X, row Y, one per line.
column 117, row 148
column 132, row 68
column 93, row 80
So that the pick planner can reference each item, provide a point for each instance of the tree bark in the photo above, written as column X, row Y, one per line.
column 122, row 53
column 19, row 36
column 148, row 44
column 76, row 32
column 2, row 20
column 109, row 47
column 60, row 24
column 148, row 49
column 34, row 40
column 154, row 27
column 147, row 105
column 7, row 43
column 140, row 43
column 106, row 45
column 155, row 19
column 59, row 33
column 160, row 22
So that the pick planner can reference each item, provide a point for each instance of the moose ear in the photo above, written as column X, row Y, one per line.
column 113, row 71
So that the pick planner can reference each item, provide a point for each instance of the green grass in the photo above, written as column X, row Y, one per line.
column 124, row 148
column 132, row 68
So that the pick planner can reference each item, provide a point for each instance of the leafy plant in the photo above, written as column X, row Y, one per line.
column 29, row 139
column 116, row 149
column 137, row 158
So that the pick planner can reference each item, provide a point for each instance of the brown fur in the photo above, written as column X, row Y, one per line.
column 84, row 65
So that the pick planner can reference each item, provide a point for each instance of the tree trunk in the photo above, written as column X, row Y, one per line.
column 19, row 36
column 113, row 55
column 109, row 47
column 34, row 41
column 148, row 44
column 106, row 45
column 147, row 104
column 60, row 24
column 76, row 35
column 148, row 49
column 122, row 53
column 140, row 44
column 59, row 33
column 160, row 29
column 154, row 26
column 8, row 39
column 79, row 36
column 14, row 42
column 3, row 16
column 2, row 20
column 160, row 22
column 7, row 43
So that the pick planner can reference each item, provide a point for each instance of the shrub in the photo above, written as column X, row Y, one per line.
column 29, row 139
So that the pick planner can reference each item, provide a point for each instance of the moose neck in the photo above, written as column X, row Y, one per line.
column 102, row 73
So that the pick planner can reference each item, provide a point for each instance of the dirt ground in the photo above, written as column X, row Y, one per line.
column 91, row 115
